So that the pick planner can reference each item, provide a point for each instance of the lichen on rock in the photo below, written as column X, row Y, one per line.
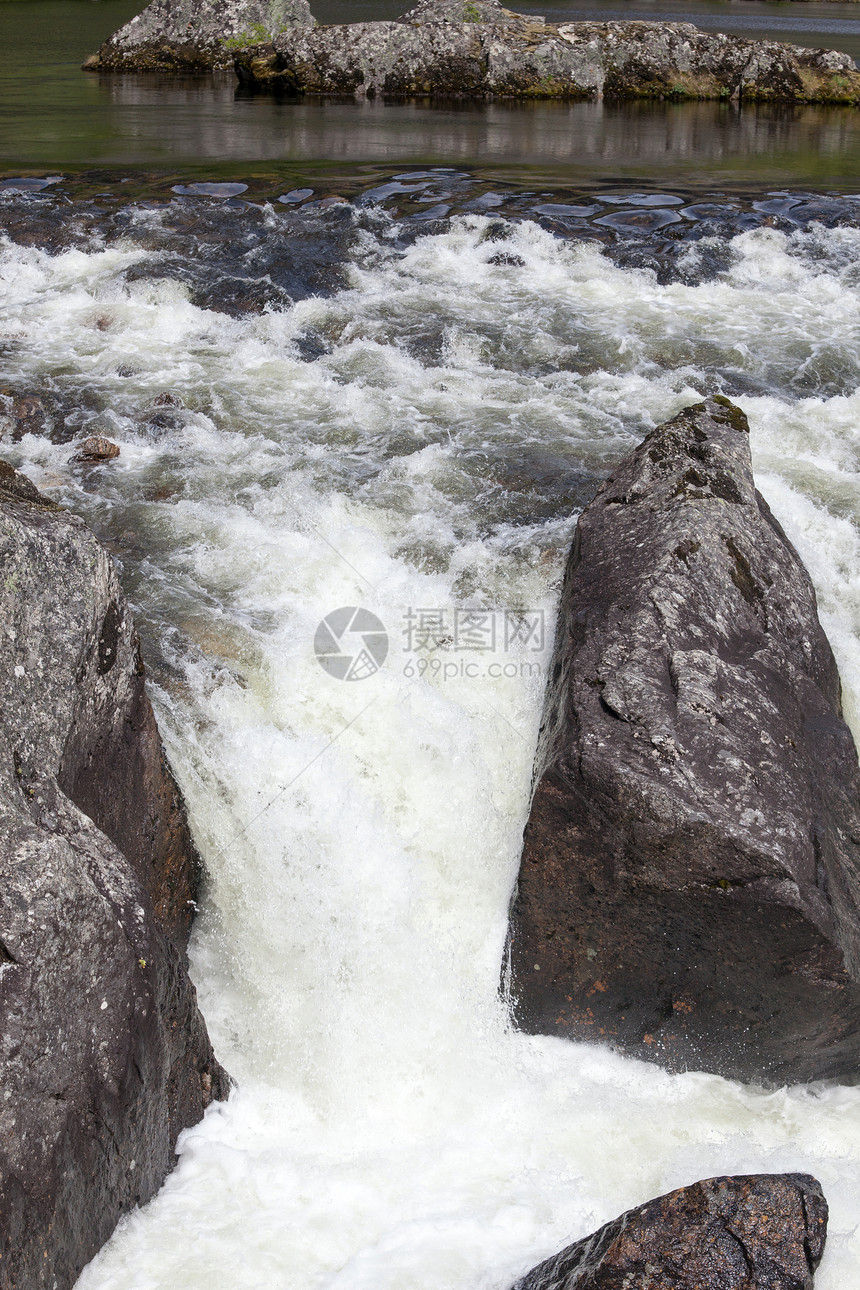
column 499, row 54
column 173, row 35
column 471, row 49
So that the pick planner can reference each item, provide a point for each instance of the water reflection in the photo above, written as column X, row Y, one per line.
column 209, row 120
column 52, row 115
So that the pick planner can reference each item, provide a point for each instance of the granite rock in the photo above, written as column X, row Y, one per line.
column 104, row 1057
column 186, row 35
column 758, row 1232
column 688, row 890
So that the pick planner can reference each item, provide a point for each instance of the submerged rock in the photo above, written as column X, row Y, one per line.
column 104, row 1057
column 474, row 49
column 20, row 414
column 761, row 1232
column 186, row 35
column 96, row 448
column 688, row 890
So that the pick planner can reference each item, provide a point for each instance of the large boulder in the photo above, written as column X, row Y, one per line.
column 104, row 1057
column 187, row 35
column 688, row 890
column 445, row 49
column 761, row 1232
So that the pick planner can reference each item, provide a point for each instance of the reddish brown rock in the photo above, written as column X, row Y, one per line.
column 95, row 449
column 21, row 414
column 104, row 1057
column 688, row 890
column 761, row 1232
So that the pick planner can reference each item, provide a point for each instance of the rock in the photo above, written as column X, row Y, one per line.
column 500, row 54
column 472, row 49
column 104, row 1057
column 96, row 448
column 28, row 414
column 688, row 890
column 485, row 11
column 21, row 414
column 761, row 1232
column 678, row 61
column 186, row 35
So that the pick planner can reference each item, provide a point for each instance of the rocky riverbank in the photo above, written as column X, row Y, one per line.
column 104, row 1057
column 472, row 50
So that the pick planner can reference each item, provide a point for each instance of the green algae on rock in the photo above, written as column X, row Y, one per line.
column 184, row 35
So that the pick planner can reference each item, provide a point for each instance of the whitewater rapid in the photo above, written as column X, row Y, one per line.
column 388, row 1130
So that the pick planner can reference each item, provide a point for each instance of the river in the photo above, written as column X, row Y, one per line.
column 52, row 115
column 362, row 382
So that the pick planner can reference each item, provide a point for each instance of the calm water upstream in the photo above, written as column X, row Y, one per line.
column 401, row 401
column 53, row 115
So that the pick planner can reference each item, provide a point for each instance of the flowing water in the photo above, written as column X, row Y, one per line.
column 400, row 403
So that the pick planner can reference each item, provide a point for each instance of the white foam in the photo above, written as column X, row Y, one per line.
column 389, row 1132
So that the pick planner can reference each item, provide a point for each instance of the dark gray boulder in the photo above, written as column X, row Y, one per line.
column 759, row 1232
column 688, row 890
column 104, row 1057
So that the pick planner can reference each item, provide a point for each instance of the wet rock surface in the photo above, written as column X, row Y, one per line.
column 761, row 1232
column 688, row 890
column 104, row 1057
column 269, row 248
column 95, row 448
